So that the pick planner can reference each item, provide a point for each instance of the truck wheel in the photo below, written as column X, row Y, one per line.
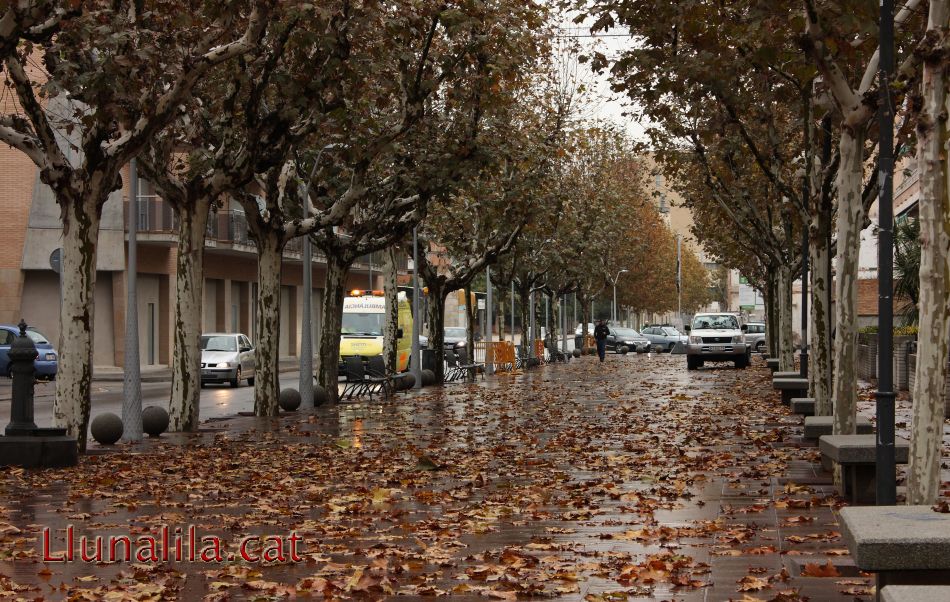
column 742, row 362
column 691, row 363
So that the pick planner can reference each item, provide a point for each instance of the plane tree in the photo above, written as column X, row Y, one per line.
column 112, row 77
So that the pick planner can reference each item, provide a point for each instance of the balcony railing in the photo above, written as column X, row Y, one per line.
column 155, row 216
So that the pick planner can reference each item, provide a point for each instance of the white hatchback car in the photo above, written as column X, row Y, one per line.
column 226, row 357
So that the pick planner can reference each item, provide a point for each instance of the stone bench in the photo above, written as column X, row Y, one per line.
column 803, row 405
column 819, row 426
column 903, row 545
column 915, row 593
column 789, row 374
column 857, row 455
column 791, row 387
column 772, row 363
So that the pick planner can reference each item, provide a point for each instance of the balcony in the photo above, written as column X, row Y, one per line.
column 227, row 230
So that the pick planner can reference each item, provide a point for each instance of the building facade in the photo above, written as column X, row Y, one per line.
column 31, row 229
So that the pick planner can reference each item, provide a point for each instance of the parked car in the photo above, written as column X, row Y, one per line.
column 755, row 336
column 455, row 337
column 716, row 337
column 46, row 362
column 627, row 337
column 664, row 337
column 226, row 357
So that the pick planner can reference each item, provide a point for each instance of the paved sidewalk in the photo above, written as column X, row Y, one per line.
column 633, row 478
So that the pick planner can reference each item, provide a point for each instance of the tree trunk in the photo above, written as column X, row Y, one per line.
column 391, row 325
column 923, row 481
column 850, row 222
column 267, row 338
column 189, row 287
column 72, row 405
column 470, row 311
column 328, row 360
column 436, row 308
column 820, row 330
column 554, row 302
column 585, row 318
column 783, row 290
column 771, row 327
column 523, row 298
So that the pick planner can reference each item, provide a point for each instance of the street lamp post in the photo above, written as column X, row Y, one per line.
column 885, row 461
column 305, row 383
column 132, row 381
column 613, row 307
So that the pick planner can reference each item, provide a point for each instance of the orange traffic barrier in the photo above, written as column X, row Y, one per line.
column 500, row 354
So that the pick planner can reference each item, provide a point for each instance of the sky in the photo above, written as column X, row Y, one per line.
column 607, row 104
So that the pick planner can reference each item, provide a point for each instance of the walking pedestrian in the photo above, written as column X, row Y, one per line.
column 600, row 335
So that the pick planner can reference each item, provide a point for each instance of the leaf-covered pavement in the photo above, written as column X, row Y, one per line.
column 634, row 479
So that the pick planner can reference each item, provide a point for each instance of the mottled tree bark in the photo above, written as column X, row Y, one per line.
column 267, row 338
column 820, row 328
column 436, row 308
column 923, row 481
column 328, row 360
column 850, row 222
column 391, row 325
column 189, row 287
column 783, row 290
column 81, row 220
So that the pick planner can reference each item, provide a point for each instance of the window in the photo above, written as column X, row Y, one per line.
column 362, row 323
column 151, row 334
column 38, row 338
column 244, row 342
column 6, row 337
column 218, row 343
column 716, row 322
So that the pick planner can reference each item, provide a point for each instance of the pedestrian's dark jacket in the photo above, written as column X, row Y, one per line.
column 601, row 332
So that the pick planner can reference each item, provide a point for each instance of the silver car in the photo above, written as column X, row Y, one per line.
column 226, row 357
column 664, row 337
column 755, row 336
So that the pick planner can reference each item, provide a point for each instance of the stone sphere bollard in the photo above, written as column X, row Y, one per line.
column 289, row 399
column 154, row 420
column 624, row 350
column 576, row 353
column 320, row 396
column 408, row 380
column 428, row 378
column 107, row 428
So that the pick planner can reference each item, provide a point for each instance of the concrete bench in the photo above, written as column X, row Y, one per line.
column 803, row 405
column 789, row 374
column 819, row 426
column 772, row 363
column 903, row 545
column 857, row 455
column 791, row 387
column 915, row 593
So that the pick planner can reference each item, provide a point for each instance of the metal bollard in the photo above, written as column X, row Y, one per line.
column 22, row 355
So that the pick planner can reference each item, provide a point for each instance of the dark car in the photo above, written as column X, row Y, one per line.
column 455, row 337
column 627, row 337
column 46, row 362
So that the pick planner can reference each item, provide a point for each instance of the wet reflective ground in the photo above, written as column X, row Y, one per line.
column 633, row 479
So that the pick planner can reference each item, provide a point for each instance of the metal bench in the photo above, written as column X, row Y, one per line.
column 803, row 405
column 818, row 426
column 791, row 387
column 903, row 545
column 857, row 455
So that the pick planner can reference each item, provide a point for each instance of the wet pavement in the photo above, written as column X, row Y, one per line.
column 633, row 479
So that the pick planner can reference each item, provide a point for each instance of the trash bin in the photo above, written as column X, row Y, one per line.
column 428, row 359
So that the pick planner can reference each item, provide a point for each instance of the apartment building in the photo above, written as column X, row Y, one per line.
column 31, row 230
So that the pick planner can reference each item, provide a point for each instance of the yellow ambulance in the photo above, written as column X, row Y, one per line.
column 364, row 313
